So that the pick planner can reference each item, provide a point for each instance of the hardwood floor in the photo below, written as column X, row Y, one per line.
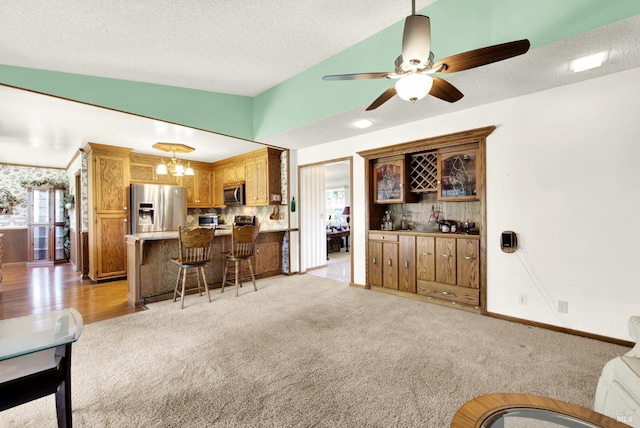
column 36, row 289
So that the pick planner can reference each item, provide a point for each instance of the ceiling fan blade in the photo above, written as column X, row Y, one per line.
column 356, row 76
column 386, row 96
column 416, row 40
column 445, row 90
column 482, row 56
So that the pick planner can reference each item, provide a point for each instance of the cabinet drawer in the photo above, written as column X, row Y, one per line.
column 387, row 237
column 453, row 293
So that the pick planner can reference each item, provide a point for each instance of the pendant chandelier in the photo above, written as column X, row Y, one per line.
column 173, row 166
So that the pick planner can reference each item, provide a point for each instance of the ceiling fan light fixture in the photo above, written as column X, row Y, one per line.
column 414, row 86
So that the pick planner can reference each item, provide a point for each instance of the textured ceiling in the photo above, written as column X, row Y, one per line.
column 245, row 48
column 231, row 46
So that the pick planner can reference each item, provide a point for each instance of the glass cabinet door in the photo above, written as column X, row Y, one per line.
column 40, row 209
column 457, row 175
column 40, row 243
column 58, row 225
column 46, row 224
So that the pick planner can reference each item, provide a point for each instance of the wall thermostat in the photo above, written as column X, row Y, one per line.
column 508, row 241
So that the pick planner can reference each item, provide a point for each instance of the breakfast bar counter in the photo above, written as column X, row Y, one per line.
column 152, row 277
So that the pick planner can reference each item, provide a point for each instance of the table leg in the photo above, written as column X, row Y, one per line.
column 63, row 393
column 328, row 243
column 346, row 238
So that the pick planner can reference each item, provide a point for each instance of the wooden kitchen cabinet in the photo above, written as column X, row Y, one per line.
column 218, row 186
column 142, row 169
column 199, row 188
column 446, row 260
column 407, row 263
column 108, row 177
column 383, row 260
column 391, row 181
column 260, row 170
column 468, row 263
column 111, row 260
column 374, row 263
column 451, row 272
column 439, row 266
column 263, row 178
column 268, row 258
column 457, row 173
column 234, row 173
column 426, row 258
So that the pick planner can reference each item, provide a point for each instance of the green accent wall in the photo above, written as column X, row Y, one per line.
column 221, row 113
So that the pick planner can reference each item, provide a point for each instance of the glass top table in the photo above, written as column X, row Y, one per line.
column 33, row 333
column 35, row 359
column 504, row 410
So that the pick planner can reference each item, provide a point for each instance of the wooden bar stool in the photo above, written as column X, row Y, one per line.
column 195, row 252
column 243, row 246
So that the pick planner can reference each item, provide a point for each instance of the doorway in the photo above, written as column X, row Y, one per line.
column 325, row 218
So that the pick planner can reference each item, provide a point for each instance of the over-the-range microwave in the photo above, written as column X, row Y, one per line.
column 233, row 194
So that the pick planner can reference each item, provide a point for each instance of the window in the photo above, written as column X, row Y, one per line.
column 335, row 203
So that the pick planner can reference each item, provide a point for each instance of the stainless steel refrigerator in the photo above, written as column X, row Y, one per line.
column 157, row 207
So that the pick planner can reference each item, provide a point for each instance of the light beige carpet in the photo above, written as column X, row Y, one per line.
column 310, row 352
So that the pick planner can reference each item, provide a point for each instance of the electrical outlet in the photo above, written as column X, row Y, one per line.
column 522, row 299
column 563, row 306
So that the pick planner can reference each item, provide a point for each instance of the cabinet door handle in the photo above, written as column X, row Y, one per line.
column 445, row 256
column 469, row 258
column 426, row 254
column 390, row 262
column 406, row 264
column 375, row 261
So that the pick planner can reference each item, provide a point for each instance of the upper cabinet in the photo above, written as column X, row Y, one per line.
column 199, row 188
column 234, row 173
column 260, row 170
column 263, row 181
column 457, row 173
column 391, row 181
column 142, row 169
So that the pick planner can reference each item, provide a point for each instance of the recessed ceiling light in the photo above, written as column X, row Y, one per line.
column 588, row 62
column 363, row 123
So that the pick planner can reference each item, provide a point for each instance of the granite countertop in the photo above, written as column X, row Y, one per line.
column 156, row 236
column 459, row 234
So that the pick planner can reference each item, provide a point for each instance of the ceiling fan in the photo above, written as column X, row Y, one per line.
column 415, row 70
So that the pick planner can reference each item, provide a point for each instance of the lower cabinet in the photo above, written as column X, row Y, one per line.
column 383, row 260
column 267, row 260
column 439, row 266
column 407, row 263
column 111, row 260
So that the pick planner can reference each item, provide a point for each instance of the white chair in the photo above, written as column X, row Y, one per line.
column 618, row 391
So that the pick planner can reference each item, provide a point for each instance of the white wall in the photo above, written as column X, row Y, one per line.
column 562, row 171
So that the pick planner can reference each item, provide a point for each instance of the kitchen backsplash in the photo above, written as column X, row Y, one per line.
column 419, row 213
column 263, row 215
